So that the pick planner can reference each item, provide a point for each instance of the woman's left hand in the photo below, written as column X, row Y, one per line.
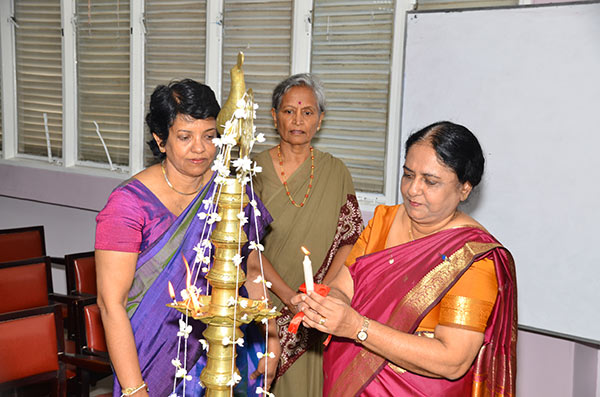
column 330, row 315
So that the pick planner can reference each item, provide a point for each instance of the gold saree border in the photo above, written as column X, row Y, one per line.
column 364, row 366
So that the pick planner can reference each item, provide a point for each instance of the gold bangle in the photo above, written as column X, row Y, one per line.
column 130, row 391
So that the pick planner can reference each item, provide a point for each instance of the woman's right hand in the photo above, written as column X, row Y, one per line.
column 329, row 314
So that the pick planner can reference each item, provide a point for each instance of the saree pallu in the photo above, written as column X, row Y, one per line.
column 416, row 276
column 329, row 219
column 155, row 325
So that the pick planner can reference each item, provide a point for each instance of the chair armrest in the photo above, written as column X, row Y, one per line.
column 91, row 363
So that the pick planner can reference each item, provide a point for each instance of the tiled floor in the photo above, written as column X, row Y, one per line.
column 102, row 387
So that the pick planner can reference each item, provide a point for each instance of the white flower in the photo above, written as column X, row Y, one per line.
column 176, row 363
column 184, row 294
column 257, row 169
column 234, row 379
column 227, row 341
column 207, row 203
column 260, row 390
column 240, row 114
column 242, row 164
column 202, row 215
column 213, row 217
column 217, row 142
column 273, row 309
column 204, row 344
column 244, row 317
column 182, row 373
column 253, row 203
column 268, row 354
column 264, row 320
column 220, row 168
column 244, row 179
column 206, row 243
column 206, row 260
column 219, row 180
column 244, row 303
column 243, row 218
column 254, row 246
column 241, row 103
column 184, row 329
column 255, row 106
column 237, row 259
column 228, row 125
column 229, row 139
column 259, row 279
column 231, row 301
column 204, row 269
column 173, row 395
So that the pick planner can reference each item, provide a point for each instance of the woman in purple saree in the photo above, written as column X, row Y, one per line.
column 147, row 227
column 428, row 305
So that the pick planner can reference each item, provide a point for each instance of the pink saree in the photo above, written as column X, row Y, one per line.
column 417, row 278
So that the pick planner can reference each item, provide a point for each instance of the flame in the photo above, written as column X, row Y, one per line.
column 171, row 291
column 195, row 302
column 306, row 252
column 188, row 274
column 188, row 283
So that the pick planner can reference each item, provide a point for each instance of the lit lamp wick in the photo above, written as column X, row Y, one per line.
column 172, row 293
column 308, row 272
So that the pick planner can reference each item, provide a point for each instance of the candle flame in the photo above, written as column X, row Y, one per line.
column 171, row 291
column 306, row 252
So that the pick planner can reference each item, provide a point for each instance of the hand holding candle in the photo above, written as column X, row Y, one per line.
column 308, row 272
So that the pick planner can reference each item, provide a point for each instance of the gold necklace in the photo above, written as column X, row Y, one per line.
column 312, row 176
column 162, row 166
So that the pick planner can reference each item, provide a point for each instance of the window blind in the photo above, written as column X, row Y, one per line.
column 175, row 46
column 447, row 4
column 262, row 31
column 39, row 76
column 351, row 54
column 103, row 79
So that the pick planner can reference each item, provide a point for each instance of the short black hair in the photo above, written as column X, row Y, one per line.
column 456, row 147
column 185, row 97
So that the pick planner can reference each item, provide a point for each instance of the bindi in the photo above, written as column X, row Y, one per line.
column 299, row 103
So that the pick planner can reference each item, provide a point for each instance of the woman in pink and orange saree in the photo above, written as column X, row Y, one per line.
column 427, row 304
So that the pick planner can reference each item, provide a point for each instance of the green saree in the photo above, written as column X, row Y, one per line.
column 329, row 219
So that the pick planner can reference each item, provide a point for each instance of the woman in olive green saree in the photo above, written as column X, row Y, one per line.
column 311, row 198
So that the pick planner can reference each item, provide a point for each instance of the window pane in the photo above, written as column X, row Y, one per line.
column 262, row 30
column 39, row 76
column 0, row 112
column 103, row 79
column 175, row 45
column 351, row 53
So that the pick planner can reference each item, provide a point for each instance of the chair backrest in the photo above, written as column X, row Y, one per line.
column 22, row 243
column 30, row 344
column 81, row 273
column 25, row 284
column 94, row 331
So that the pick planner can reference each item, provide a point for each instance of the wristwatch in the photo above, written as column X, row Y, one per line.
column 362, row 334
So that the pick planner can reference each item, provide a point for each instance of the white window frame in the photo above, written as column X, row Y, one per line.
column 300, row 62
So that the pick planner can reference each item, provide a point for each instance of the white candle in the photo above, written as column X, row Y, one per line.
column 308, row 272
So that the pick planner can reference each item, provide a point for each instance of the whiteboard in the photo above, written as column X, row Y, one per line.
column 526, row 81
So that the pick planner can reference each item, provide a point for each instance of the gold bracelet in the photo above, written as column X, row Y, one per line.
column 130, row 391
